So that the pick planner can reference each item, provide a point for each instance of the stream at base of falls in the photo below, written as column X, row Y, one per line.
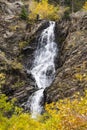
column 43, row 68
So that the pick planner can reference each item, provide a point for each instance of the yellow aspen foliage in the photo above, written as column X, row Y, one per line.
column 2, row 79
column 66, row 114
column 81, row 77
column 24, row 122
column 44, row 10
column 85, row 6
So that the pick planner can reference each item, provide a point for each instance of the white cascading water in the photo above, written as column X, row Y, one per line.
column 43, row 69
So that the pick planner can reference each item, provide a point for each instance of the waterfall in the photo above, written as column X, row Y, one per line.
column 43, row 68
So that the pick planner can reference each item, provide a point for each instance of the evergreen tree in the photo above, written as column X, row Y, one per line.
column 74, row 5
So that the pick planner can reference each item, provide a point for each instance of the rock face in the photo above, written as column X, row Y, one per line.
column 18, row 42
column 15, row 38
column 12, row 32
column 72, row 75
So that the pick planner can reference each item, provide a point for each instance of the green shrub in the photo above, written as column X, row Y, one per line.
column 22, row 44
column 8, row 108
column 24, row 13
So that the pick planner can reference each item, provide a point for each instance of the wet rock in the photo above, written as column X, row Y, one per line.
column 28, row 50
column 33, row 37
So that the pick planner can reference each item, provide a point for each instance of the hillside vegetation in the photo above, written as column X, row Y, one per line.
column 67, row 114
column 19, row 23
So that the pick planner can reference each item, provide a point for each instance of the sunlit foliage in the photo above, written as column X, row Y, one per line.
column 22, row 44
column 2, row 79
column 81, row 77
column 7, row 108
column 16, row 65
column 85, row 6
column 44, row 10
column 67, row 114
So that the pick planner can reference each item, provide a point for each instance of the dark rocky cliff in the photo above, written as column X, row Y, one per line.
column 72, row 75
column 17, row 44
column 15, row 34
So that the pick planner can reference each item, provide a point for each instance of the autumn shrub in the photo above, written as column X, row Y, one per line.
column 24, row 122
column 16, row 65
column 67, row 114
column 2, row 79
column 85, row 6
column 44, row 10
column 22, row 44
column 18, row 84
column 80, row 76
column 7, row 107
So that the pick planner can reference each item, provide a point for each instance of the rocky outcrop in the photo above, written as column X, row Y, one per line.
column 16, row 36
column 12, row 32
column 72, row 75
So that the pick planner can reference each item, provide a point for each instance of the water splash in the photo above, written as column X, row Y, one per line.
column 43, row 69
